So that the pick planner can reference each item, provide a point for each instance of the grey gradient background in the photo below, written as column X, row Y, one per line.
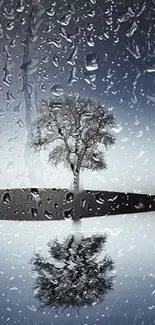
column 131, row 98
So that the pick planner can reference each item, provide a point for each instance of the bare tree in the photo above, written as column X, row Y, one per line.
column 72, row 276
column 75, row 128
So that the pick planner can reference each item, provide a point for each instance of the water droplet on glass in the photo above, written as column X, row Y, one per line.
column 69, row 197
column 9, row 13
column 72, row 56
column 91, row 62
column 50, row 12
column 30, row 67
column 132, row 29
column 1, row 113
column 1, row 31
column 35, row 193
column 10, row 166
column 91, row 13
column 130, row 13
column 117, row 129
column 34, row 213
column 90, row 79
column 55, row 41
column 48, row 215
column 55, row 60
column 10, row 25
column 65, row 19
column 18, row 108
column 73, row 77
column 90, row 40
column 6, row 198
column 57, row 90
column 90, row 26
column 20, row 6
column 68, row 214
column 20, row 123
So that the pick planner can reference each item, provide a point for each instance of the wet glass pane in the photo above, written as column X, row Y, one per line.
column 77, row 113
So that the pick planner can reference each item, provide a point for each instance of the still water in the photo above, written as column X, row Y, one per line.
column 130, row 244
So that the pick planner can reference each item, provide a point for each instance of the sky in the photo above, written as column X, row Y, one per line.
column 65, row 37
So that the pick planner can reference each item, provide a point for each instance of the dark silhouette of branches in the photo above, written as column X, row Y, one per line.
column 73, row 276
column 72, row 129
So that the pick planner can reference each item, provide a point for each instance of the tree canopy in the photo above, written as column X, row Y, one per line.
column 72, row 129
column 72, row 276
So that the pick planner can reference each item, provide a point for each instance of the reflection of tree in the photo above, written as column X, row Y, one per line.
column 73, row 276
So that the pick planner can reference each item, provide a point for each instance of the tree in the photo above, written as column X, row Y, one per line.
column 75, row 128
column 72, row 276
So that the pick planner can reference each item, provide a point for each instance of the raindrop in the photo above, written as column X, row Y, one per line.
column 1, row 113
column 34, row 213
column 50, row 12
column 151, row 69
column 10, row 97
column 56, row 205
column 7, row 73
column 18, row 108
column 68, row 214
column 130, row 13
column 6, row 198
column 43, row 88
column 14, row 139
column 99, row 199
column 9, row 13
column 91, row 62
column 48, row 215
column 23, row 20
column 11, row 149
column 90, row 40
column 54, row 41
column 132, row 29
column 30, row 67
column 57, row 90
column 90, row 26
column 72, row 56
column 90, row 78
column 10, row 25
column 72, row 78
column 1, row 31
column 91, row 13
column 65, row 19
column 134, row 49
column 117, row 129
column 83, row 201
column 35, row 193
column 151, row 98
column 55, row 60
column 69, row 197
column 20, row 123
column 31, row 308
column 49, row 28
column 20, row 6
column 142, row 9
column 10, row 166
column 13, row 43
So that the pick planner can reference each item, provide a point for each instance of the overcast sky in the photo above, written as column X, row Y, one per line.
column 121, row 40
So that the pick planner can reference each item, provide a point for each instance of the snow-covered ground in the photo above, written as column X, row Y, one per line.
column 131, row 243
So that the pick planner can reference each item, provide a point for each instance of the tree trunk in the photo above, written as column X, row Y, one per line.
column 76, row 202
column 76, row 182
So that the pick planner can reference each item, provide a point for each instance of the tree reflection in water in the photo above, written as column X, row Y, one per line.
column 73, row 276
